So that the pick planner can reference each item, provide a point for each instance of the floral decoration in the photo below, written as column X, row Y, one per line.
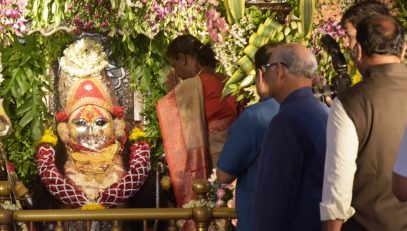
column 118, row 111
column 1, row 70
column 334, row 29
column 92, row 206
column 221, row 194
column 137, row 134
column 83, row 58
column 8, row 205
column 62, row 116
column 329, row 11
column 229, row 47
column 215, row 25
column 48, row 138
column 116, row 194
column 12, row 20
column 90, row 14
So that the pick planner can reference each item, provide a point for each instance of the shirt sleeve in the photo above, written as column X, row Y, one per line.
column 340, row 165
column 241, row 148
column 400, row 166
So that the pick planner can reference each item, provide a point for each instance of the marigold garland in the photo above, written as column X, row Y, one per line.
column 48, row 138
column 92, row 206
column 137, row 134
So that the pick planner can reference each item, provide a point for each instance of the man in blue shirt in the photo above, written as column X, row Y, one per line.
column 242, row 148
column 288, row 188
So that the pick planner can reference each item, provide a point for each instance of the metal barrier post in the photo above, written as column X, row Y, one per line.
column 203, row 215
column 6, row 216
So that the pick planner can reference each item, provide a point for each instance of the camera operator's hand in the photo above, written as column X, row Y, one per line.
column 328, row 101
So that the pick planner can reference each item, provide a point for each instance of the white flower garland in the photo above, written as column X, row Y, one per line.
column 8, row 205
column 83, row 58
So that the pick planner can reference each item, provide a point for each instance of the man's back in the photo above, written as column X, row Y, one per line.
column 291, row 166
column 378, row 108
column 241, row 151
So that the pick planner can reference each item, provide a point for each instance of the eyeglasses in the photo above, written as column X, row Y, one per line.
column 269, row 65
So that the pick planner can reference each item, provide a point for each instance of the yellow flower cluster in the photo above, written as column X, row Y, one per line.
column 356, row 78
column 48, row 138
column 92, row 207
column 137, row 134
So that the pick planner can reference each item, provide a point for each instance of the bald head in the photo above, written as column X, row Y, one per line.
column 298, row 59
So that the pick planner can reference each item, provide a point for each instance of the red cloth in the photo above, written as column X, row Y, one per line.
column 217, row 108
column 190, row 116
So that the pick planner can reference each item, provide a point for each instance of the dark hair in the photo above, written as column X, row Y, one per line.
column 189, row 45
column 360, row 10
column 380, row 34
column 264, row 53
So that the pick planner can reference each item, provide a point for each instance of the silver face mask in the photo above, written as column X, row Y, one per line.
column 91, row 127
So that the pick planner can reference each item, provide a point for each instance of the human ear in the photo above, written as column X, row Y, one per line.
column 259, row 75
column 357, row 53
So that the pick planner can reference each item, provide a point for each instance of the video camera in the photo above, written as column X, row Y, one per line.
column 339, row 82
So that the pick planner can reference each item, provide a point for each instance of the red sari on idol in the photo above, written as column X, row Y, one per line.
column 194, row 120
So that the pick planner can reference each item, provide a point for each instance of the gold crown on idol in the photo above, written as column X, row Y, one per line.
column 83, row 81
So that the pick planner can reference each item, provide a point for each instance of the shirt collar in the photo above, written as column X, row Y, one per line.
column 385, row 68
column 299, row 93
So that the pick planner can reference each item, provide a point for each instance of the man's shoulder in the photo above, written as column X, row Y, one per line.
column 268, row 104
column 266, row 108
column 357, row 92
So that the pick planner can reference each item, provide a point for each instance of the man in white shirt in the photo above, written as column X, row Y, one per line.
column 365, row 127
column 400, row 171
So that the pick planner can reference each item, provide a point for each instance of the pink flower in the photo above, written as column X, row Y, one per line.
column 23, row 28
column 215, row 24
column 231, row 203
column 220, row 193
column 104, row 24
column 220, row 203
column 213, row 2
column 22, row 4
